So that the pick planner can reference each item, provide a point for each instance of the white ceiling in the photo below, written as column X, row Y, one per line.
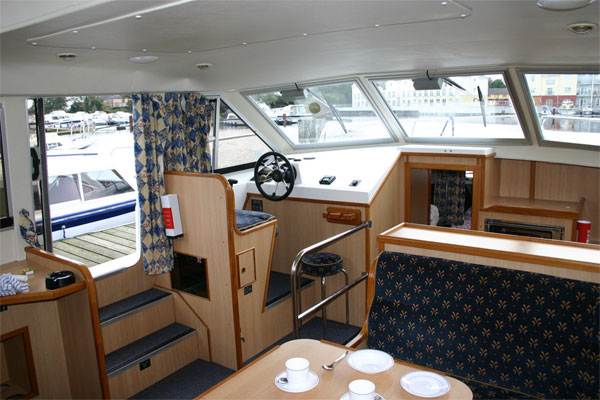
column 341, row 39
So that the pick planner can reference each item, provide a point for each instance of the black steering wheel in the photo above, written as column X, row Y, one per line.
column 273, row 166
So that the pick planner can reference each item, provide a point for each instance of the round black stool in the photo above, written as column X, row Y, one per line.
column 323, row 265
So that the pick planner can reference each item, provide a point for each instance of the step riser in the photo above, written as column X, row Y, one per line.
column 138, row 325
column 132, row 380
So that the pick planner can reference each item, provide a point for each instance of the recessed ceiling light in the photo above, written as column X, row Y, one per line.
column 144, row 50
column 67, row 56
column 245, row 44
column 138, row 17
column 189, row 52
column 204, row 65
column 563, row 5
column 93, row 47
column 444, row 3
column 463, row 15
column 143, row 59
column 34, row 43
column 582, row 27
column 305, row 34
column 75, row 31
column 376, row 25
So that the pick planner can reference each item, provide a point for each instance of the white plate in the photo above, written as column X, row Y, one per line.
column 310, row 383
column 370, row 361
column 425, row 384
column 346, row 396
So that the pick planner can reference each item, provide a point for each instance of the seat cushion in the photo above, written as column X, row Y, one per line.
column 322, row 264
column 246, row 219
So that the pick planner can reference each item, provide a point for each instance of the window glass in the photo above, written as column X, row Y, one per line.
column 63, row 188
column 567, row 106
column 5, row 214
column 334, row 113
column 237, row 143
column 89, row 155
column 473, row 107
column 98, row 184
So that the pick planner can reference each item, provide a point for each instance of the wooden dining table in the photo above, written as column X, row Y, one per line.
column 257, row 379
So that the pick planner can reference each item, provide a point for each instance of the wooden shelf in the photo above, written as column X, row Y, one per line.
column 540, row 208
column 578, row 256
column 37, row 284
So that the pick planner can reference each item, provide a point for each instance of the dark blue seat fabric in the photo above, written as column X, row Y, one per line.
column 246, row 219
column 322, row 264
column 532, row 334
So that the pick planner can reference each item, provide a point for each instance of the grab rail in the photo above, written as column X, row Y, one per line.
column 295, row 271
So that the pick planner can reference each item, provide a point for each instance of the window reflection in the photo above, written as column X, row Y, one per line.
column 332, row 113
column 567, row 106
column 475, row 107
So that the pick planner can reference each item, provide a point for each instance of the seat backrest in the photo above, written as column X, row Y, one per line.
column 533, row 333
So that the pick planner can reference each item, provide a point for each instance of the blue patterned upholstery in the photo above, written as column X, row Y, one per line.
column 322, row 264
column 531, row 334
column 246, row 219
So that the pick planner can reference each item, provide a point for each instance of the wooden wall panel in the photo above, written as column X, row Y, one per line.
column 515, row 178
column 122, row 284
column 491, row 181
column 203, row 207
column 302, row 224
column 131, row 381
column 387, row 208
column 43, row 321
column 79, row 349
column 570, row 183
column 453, row 159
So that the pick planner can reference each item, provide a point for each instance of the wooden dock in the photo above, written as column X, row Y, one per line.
column 96, row 248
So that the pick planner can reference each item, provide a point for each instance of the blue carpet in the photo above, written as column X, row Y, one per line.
column 187, row 383
column 198, row 376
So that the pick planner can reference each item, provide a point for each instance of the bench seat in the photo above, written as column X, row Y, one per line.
column 505, row 333
column 247, row 219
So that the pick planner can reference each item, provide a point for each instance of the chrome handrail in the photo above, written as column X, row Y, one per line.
column 295, row 271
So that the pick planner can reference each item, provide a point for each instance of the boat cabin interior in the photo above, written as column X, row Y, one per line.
column 186, row 185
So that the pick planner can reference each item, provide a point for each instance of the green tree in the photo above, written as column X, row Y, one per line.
column 496, row 84
column 54, row 104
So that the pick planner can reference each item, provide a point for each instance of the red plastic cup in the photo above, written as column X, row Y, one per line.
column 583, row 231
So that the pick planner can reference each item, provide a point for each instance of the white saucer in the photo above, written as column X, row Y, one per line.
column 425, row 384
column 311, row 382
column 370, row 361
column 346, row 396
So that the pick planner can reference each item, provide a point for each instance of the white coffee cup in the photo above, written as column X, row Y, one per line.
column 361, row 389
column 296, row 370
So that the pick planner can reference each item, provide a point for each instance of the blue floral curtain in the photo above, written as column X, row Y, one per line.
column 449, row 196
column 170, row 131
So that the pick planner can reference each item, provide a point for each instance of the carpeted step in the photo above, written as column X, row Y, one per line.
column 123, row 308
column 146, row 347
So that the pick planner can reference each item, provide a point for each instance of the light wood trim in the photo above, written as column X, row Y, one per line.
column 24, row 331
column 583, row 257
column 34, row 253
column 532, row 166
column 540, row 208
column 455, row 155
column 387, row 176
column 332, row 202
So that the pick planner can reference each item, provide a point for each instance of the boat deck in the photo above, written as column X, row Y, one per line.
column 96, row 248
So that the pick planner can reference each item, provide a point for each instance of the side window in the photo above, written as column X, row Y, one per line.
column 98, row 184
column 233, row 143
column 63, row 188
column 567, row 106
column 6, row 219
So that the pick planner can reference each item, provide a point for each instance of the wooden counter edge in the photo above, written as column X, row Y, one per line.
column 386, row 238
